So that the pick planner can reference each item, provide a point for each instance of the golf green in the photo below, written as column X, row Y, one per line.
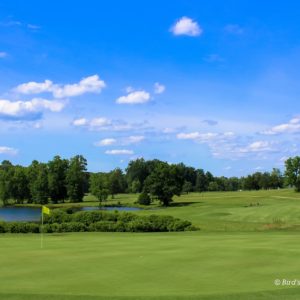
column 187, row 265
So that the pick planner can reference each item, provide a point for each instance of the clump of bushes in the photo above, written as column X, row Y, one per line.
column 63, row 221
column 19, row 227
column 144, row 199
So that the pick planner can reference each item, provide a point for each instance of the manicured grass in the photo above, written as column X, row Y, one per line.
column 188, row 265
column 246, row 241
column 238, row 211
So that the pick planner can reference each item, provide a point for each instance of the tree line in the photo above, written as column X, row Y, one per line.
column 67, row 179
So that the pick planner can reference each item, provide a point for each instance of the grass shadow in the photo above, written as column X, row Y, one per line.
column 180, row 204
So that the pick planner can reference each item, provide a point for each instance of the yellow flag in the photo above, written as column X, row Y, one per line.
column 46, row 210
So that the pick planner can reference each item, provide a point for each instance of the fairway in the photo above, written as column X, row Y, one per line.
column 189, row 265
column 226, row 211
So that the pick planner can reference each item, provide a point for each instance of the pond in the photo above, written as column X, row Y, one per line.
column 11, row 214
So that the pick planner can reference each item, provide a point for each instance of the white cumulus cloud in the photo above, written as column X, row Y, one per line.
column 186, row 26
column 90, row 84
column 119, row 152
column 102, row 124
column 133, row 139
column 258, row 146
column 80, row 122
column 17, row 109
column 33, row 87
column 106, row 142
column 293, row 126
column 197, row 136
column 8, row 150
column 136, row 97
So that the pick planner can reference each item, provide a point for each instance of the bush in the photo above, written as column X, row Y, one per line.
column 58, row 216
column 179, row 225
column 50, row 228
column 104, row 226
column 126, row 217
column 3, row 227
column 22, row 227
column 61, row 221
column 144, row 199
column 161, row 223
column 72, row 227
column 140, row 225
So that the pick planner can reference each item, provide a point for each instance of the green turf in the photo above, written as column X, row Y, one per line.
column 189, row 265
column 240, row 250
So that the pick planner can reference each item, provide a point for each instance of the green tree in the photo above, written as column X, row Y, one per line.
column 187, row 187
column 164, row 182
column 276, row 179
column 213, row 186
column 6, row 174
column 137, row 171
column 136, row 186
column 292, row 172
column 4, row 187
column 76, row 178
column 39, row 187
column 57, row 172
column 201, row 181
column 32, row 172
column 19, row 185
column 99, row 186
column 116, row 182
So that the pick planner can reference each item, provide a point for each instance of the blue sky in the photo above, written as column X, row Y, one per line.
column 212, row 84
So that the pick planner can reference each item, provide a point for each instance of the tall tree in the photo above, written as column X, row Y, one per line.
column 276, row 179
column 292, row 172
column 57, row 172
column 4, row 187
column 116, row 182
column 6, row 173
column 137, row 171
column 164, row 182
column 201, row 181
column 19, row 185
column 39, row 186
column 32, row 172
column 99, row 186
column 75, row 178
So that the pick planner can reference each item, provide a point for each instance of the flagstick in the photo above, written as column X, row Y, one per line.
column 42, row 231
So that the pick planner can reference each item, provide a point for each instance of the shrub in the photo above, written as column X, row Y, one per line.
column 50, row 228
column 61, row 221
column 22, row 227
column 104, row 226
column 140, row 225
column 126, row 217
column 161, row 223
column 144, row 199
column 3, row 227
column 88, row 217
column 72, row 227
column 58, row 216
column 179, row 225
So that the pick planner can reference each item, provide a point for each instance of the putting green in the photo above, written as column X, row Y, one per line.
column 187, row 265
